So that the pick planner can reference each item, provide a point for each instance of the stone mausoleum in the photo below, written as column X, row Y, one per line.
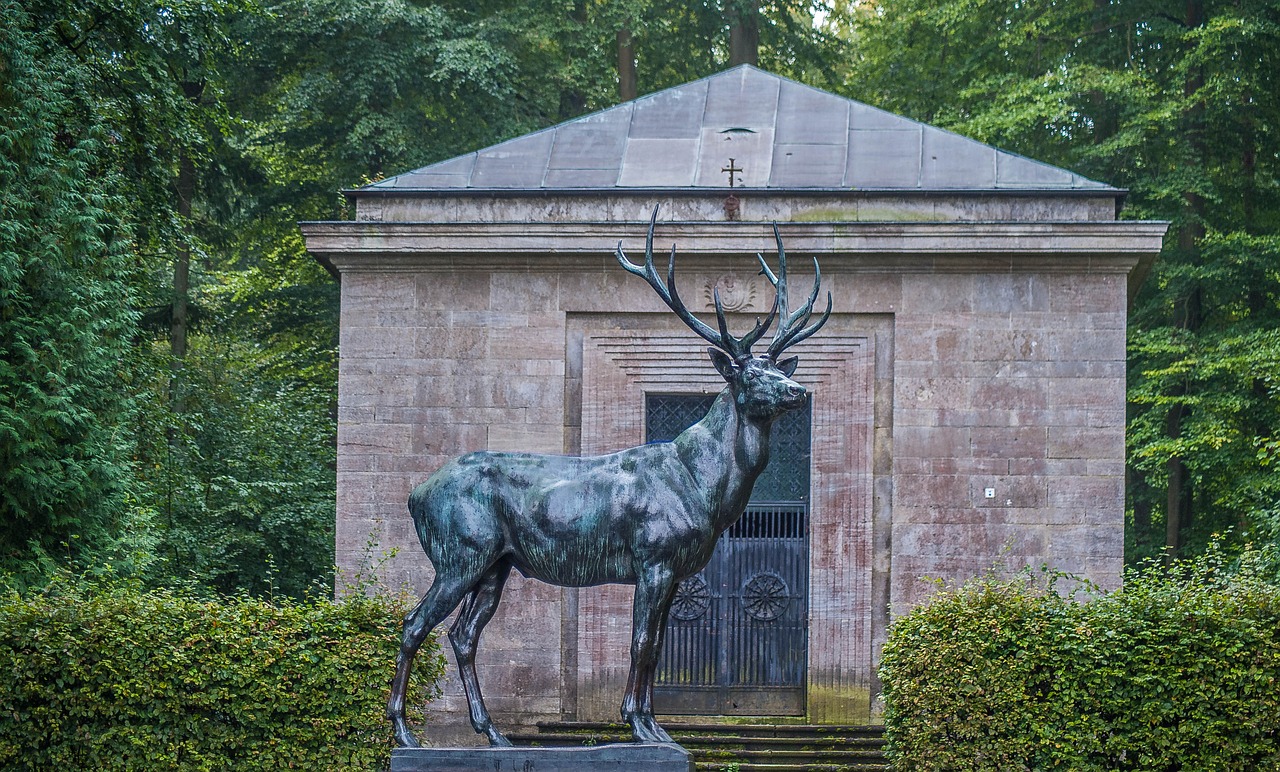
column 968, row 392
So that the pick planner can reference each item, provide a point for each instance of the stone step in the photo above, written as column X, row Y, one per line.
column 777, row 756
column 740, row 729
column 844, row 744
column 733, row 748
column 746, row 747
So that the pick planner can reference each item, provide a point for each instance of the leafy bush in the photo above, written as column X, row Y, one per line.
column 1177, row 670
column 111, row 677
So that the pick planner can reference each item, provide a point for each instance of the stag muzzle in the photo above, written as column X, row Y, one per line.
column 795, row 396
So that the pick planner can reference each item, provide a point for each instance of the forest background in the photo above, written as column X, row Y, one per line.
column 168, row 381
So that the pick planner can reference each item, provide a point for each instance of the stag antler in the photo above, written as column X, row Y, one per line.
column 791, row 330
column 737, row 348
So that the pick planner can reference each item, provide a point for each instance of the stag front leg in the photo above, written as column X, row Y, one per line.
column 477, row 610
column 654, row 588
column 646, row 684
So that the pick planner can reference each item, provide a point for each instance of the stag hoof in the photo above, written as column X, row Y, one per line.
column 405, row 738
column 496, row 739
column 646, row 730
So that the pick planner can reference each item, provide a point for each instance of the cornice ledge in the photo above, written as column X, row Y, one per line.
column 594, row 238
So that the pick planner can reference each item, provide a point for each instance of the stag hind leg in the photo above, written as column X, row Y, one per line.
column 655, row 588
column 477, row 610
column 445, row 593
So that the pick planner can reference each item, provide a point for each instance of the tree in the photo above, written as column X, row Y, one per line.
column 227, row 460
column 1182, row 109
column 677, row 42
column 66, row 317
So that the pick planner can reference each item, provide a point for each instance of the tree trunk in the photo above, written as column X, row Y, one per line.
column 182, row 259
column 1135, row 483
column 744, row 32
column 1189, row 312
column 627, row 88
column 572, row 101
column 1178, row 495
column 1176, row 505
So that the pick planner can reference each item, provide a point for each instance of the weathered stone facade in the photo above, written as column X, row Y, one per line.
column 968, row 392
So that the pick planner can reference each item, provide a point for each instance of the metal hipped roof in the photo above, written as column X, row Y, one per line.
column 782, row 136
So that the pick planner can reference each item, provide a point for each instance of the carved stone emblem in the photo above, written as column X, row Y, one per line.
column 735, row 295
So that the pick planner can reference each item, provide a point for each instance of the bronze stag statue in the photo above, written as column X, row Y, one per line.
column 648, row 516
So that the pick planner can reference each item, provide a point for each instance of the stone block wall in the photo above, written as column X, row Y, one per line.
column 1008, row 436
column 969, row 411
column 433, row 365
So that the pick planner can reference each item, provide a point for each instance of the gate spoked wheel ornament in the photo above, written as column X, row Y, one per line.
column 765, row 596
column 693, row 598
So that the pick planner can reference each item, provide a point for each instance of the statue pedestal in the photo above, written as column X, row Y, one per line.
column 638, row 757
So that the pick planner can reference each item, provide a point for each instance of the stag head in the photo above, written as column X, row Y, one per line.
column 761, row 384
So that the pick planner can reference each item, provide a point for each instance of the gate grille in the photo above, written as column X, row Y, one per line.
column 737, row 637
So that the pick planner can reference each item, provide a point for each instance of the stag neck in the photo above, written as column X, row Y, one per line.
column 725, row 452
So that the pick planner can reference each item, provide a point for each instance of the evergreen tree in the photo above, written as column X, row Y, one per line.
column 66, row 320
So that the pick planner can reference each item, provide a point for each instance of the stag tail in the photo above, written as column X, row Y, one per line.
column 790, row 331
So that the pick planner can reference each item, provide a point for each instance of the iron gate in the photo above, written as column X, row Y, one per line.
column 737, row 636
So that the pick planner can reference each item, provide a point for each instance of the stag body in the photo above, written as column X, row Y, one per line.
column 648, row 516
column 665, row 502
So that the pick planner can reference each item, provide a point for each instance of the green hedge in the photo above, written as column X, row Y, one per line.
column 1177, row 670
column 111, row 677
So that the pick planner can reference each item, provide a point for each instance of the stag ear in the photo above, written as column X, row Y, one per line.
column 724, row 363
column 788, row 366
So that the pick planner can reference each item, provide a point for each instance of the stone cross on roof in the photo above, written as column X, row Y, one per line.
column 733, row 171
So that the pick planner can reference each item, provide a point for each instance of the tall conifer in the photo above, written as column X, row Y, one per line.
column 65, row 316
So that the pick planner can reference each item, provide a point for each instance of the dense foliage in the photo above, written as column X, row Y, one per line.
column 65, row 313
column 1176, row 671
column 169, row 349
column 112, row 677
column 1182, row 107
